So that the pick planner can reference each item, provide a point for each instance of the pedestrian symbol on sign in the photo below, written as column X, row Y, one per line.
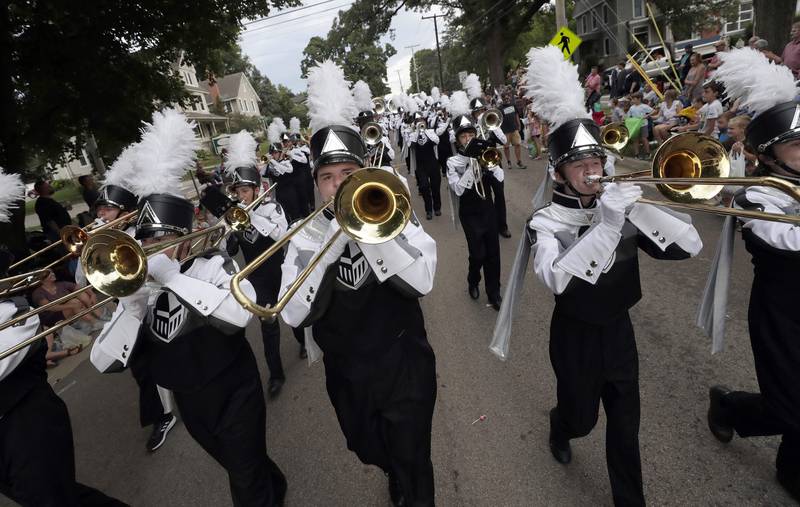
column 566, row 41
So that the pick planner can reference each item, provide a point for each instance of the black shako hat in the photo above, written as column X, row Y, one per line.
column 245, row 175
column 164, row 213
column 115, row 195
column 216, row 201
column 777, row 124
column 335, row 144
column 575, row 140
column 463, row 123
column 364, row 117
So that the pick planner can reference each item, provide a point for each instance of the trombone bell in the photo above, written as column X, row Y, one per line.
column 372, row 206
column 372, row 133
column 690, row 155
column 491, row 119
column 614, row 136
column 378, row 106
column 114, row 263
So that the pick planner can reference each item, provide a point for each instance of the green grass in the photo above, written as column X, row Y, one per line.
column 69, row 194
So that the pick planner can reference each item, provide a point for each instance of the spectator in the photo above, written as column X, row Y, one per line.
column 592, row 85
column 650, row 97
column 633, row 82
column 721, row 46
column 510, row 128
column 616, row 85
column 535, row 133
column 752, row 41
column 763, row 46
column 88, row 189
column 736, row 129
column 667, row 116
column 685, row 62
column 722, row 126
column 617, row 113
column 52, row 215
column 640, row 110
column 693, row 84
column 791, row 52
column 707, row 114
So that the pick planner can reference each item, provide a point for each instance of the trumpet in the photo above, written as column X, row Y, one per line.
column 690, row 168
column 371, row 206
column 614, row 136
column 378, row 105
column 420, row 125
column 73, row 238
column 116, row 265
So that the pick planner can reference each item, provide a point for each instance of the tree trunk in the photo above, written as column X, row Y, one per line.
column 94, row 155
column 772, row 21
column 496, row 53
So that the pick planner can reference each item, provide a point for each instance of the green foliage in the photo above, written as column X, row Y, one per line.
column 688, row 16
column 239, row 122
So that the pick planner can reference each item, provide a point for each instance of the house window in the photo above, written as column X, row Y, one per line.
column 228, row 107
column 605, row 13
column 583, row 24
column 745, row 16
column 606, row 47
column 643, row 34
column 241, row 106
column 252, row 105
column 82, row 157
column 594, row 19
column 638, row 9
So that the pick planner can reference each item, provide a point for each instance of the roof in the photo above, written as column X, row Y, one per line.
column 199, row 115
column 228, row 85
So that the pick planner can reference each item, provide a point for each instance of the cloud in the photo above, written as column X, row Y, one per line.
column 275, row 45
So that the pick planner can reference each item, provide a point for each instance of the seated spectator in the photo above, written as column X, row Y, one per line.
column 722, row 125
column 667, row 116
column 705, row 121
column 50, row 290
column 720, row 47
column 650, row 97
column 640, row 110
column 88, row 189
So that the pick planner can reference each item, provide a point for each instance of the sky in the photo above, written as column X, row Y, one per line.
column 275, row 45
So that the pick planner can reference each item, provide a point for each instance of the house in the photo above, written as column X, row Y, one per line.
column 605, row 26
column 235, row 93
column 71, row 166
column 209, row 125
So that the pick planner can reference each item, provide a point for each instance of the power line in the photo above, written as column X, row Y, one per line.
column 281, row 23
column 283, row 13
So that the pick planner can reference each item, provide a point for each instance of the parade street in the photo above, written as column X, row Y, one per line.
column 501, row 459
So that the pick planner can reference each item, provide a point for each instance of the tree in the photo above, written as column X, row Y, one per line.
column 71, row 68
column 773, row 21
column 688, row 16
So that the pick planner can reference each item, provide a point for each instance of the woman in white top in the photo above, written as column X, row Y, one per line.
column 667, row 116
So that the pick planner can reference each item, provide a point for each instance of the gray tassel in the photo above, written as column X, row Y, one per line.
column 711, row 313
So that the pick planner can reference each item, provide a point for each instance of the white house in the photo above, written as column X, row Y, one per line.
column 208, row 124
column 235, row 93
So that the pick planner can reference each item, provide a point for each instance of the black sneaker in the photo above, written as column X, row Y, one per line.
column 505, row 233
column 429, row 215
column 438, row 212
column 791, row 483
column 495, row 302
column 303, row 352
column 274, row 386
column 718, row 420
column 160, row 430
column 474, row 293
column 396, row 491
column 559, row 448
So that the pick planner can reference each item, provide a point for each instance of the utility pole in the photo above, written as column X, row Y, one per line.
column 438, row 51
column 414, row 59
column 401, row 82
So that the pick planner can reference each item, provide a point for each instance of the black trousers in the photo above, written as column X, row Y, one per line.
column 37, row 457
column 594, row 363
column 484, row 251
column 291, row 195
column 385, row 407
column 299, row 335
column 270, row 331
column 752, row 416
column 227, row 417
column 498, row 189
column 151, row 410
column 430, row 181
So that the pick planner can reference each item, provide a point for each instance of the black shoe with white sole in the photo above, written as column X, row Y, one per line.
column 160, row 430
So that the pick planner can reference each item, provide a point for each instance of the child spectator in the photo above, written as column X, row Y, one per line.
column 711, row 111
column 640, row 110
column 736, row 130
column 617, row 113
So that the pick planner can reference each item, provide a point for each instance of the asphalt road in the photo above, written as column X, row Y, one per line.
column 502, row 460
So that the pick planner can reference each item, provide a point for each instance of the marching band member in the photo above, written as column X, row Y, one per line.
column 300, row 175
column 362, row 302
column 267, row 224
column 188, row 327
column 36, row 448
column 585, row 251
column 156, row 404
column 425, row 165
column 768, row 91
column 476, row 210
column 280, row 169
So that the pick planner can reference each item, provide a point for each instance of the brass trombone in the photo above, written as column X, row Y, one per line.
column 116, row 265
column 391, row 107
column 614, row 136
column 378, row 105
column 73, row 238
column 372, row 133
column 20, row 283
column 371, row 206
column 690, row 168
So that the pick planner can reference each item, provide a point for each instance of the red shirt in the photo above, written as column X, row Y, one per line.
column 791, row 56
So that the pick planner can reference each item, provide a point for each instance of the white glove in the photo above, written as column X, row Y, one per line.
column 616, row 198
column 162, row 269
column 136, row 303
column 337, row 249
column 423, row 138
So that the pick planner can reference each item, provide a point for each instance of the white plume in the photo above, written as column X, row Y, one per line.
column 472, row 85
column 458, row 103
column 165, row 153
column 749, row 75
column 123, row 170
column 12, row 191
column 329, row 99
column 435, row 94
column 275, row 129
column 362, row 96
column 554, row 87
column 419, row 100
column 397, row 100
column 241, row 151
column 410, row 104
column 294, row 125
column 445, row 101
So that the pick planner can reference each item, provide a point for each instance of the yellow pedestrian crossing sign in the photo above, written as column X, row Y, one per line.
column 566, row 41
